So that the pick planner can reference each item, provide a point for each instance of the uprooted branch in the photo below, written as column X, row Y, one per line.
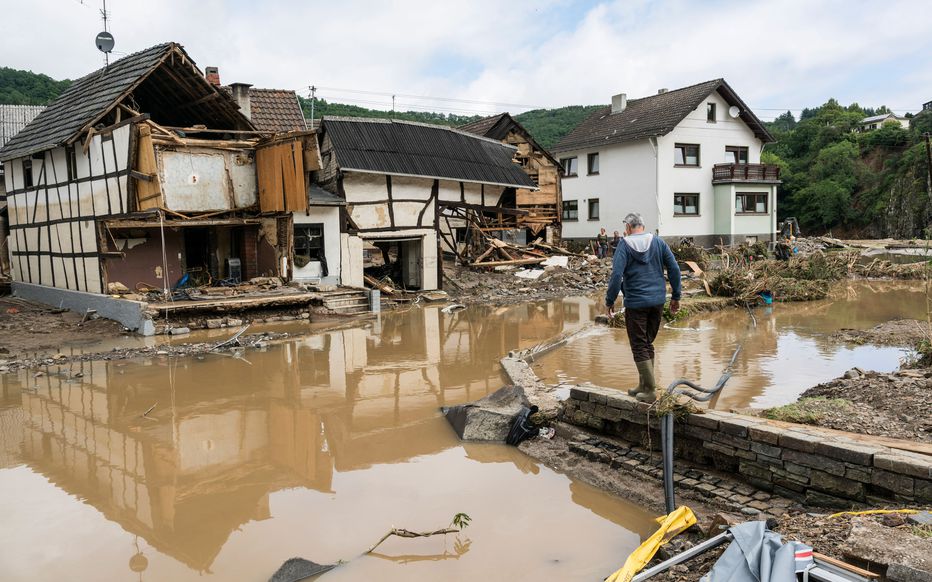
column 458, row 523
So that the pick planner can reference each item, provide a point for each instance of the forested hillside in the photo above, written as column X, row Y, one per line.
column 871, row 184
column 28, row 88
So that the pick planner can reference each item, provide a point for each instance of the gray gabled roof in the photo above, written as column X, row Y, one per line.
column 654, row 116
column 88, row 99
column 498, row 127
column 407, row 148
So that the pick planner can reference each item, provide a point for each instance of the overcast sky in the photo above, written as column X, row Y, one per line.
column 777, row 54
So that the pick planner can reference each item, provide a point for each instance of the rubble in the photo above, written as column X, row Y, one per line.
column 489, row 418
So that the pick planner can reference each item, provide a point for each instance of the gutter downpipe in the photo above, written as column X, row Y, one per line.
column 654, row 144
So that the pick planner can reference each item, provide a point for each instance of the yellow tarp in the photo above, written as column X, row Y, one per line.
column 670, row 526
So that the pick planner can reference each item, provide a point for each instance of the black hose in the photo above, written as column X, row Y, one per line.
column 666, row 439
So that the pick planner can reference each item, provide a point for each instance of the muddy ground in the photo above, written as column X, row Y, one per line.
column 898, row 332
column 27, row 328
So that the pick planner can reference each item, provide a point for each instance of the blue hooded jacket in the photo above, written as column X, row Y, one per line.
column 640, row 274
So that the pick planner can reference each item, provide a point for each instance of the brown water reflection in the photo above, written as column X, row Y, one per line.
column 313, row 447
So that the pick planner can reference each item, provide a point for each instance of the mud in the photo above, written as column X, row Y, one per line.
column 873, row 403
column 898, row 332
column 27, row 328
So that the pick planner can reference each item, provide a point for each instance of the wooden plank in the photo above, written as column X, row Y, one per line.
column 695, row 268
column 524, row 197
column 375, row 284
column 148, row 193
column 298, row 196
column 515, row 262
column 845, row 566
column 269, row 177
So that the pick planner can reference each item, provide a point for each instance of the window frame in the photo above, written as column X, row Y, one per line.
column 685, row 147
column 598, row 207
column 28, row 177
column 566, row 209
column 738, row 150
column 684, row 213
column 322, row 251
column 566, row 172
column 711, row 112
column 745, row 195
column 589, row 158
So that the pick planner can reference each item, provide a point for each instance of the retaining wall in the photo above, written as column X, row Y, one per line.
column 131, row 314
column 802, row 463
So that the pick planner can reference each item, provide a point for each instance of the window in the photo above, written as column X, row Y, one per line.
column 308, row 243
column 687, row 154
column 751, row 203
column 72, row 163
column 570, row 165
column 570, row 210
column 710, row 112
column 593, row 161
column 593, row 209
column 686, row 205
column 736, row 154
column 27, row 173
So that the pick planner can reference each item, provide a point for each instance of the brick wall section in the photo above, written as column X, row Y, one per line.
column 799, row 463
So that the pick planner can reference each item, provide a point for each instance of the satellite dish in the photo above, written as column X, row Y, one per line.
column 734, row 111
column 104, row 42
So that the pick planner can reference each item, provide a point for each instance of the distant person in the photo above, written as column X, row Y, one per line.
column 637, row 270
column 601, row 244
column 616, row 238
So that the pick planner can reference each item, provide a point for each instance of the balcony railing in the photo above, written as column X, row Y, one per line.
column 745, row 173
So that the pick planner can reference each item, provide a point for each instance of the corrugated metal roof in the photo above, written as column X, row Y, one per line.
column 276, row 110
column 652, row 116
column 13, row 118
column 317, row 196
column 416, row 149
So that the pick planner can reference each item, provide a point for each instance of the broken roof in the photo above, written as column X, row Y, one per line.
column 408, row 148
column 276, row 110
column 654, row 116
column 498, row 126
column 177, row 94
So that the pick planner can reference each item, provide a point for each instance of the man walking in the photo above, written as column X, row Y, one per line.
column 637, row 269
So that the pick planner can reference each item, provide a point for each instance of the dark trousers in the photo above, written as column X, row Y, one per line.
column 642, row 324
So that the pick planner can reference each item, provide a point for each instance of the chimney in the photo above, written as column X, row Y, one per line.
column 662, row 90
column 241, row 96
column 619, row 102
column 213, row 75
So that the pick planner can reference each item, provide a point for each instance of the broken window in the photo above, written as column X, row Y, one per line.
column 751, row 203
column 736, row 154
column 710, row 112
column 570, row 210
column 570, row 166
column 686, row 154
column 593, row 161
column 593, row 209
column 686, row 204
column 308, row 244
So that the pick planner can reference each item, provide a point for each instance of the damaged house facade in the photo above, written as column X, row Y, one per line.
column 144, row 175
column 400, row 194
column 543, row 205
column 687, row 160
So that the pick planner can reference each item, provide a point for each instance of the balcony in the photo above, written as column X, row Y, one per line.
column 760, row 173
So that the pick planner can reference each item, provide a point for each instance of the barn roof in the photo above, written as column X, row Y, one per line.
column 407, row 148
column 653, row 116
column 161, row 80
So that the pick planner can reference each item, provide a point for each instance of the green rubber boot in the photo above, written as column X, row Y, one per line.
column 649, row 391
column 640, row 387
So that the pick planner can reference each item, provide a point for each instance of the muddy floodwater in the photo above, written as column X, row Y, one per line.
column 317, row 446
column 790, row 348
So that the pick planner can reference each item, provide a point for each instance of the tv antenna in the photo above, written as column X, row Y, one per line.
column 104, row 40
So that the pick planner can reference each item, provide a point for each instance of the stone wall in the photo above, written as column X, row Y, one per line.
column 795, row 461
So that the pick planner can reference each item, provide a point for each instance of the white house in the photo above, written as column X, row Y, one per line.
column 687, row 160
column 878, row 121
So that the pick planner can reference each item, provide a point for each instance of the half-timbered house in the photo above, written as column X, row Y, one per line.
column 411, row 192
column 543, row 205
column 145, row 173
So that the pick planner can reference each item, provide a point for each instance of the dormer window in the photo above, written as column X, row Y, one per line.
column 710, row 112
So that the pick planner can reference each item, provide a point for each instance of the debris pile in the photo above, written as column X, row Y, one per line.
column 799, row 279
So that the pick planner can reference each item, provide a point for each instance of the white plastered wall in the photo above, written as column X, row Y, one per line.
column 329, row 217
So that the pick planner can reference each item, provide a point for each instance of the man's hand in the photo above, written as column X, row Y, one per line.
column 610, row 309
column 674, row 306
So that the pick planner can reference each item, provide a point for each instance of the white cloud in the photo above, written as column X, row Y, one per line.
column 555, row 52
